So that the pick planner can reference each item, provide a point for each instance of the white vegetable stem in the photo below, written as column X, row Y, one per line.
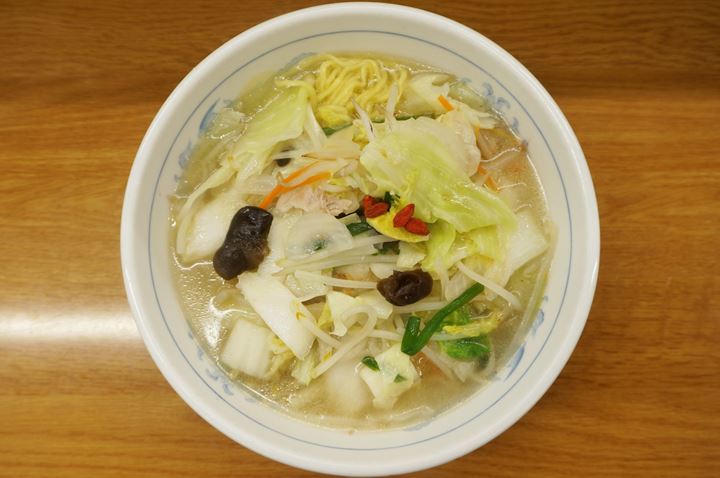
column 490, row 285
column 443, row 275
column 335, row 282
column 365, row 120
column 248, row 349
column 421, row 306
column 280, row 310
column 390, row 107
column 341, row 261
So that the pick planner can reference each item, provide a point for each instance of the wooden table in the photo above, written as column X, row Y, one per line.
column 79, row 84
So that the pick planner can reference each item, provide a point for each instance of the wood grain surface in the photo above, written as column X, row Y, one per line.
column 79, row 85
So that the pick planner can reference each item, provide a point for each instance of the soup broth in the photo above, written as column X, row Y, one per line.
column 312, row 149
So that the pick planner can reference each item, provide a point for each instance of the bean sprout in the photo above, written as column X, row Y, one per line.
column 348, row 344
column 319, row 333
column 335, row 282
column 490, row 285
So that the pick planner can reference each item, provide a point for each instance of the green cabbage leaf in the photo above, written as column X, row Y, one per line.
column 417, row 161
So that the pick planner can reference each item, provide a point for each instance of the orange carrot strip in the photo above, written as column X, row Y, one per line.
column 446, row 104
column 280, row 189
column 299, row 172
column 488, row 179
column 276, row 191
column 312, row 179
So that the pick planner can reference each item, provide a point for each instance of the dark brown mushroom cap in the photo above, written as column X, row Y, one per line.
column 245, row 245
column 407, row 287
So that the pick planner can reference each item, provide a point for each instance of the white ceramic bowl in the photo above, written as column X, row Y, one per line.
column 403, row 32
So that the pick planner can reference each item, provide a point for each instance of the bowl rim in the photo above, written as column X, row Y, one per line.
column 558, row 359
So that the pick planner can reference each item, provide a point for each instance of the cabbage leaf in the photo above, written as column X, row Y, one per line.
column 281, row 120
column 442, row 236
column 421, row 93
column 445, row 247
column 474, row 327
column 416, row 160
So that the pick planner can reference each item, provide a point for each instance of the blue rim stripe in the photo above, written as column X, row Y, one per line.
column 152, row 205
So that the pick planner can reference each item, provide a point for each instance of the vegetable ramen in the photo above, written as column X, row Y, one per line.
column 360, row 241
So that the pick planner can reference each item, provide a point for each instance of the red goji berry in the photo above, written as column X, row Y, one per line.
column 416, row 226
column 376, row 209
column 403, row 215
column 368, row 201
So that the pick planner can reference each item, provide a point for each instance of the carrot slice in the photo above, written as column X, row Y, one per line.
column 299, row 172
column 276, row 191
column 311, row 179
column 446, row 104
column 488, row 180
column 280, row 189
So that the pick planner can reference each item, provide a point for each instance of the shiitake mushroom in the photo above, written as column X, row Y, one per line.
column 406, row 287
column 245, row 245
